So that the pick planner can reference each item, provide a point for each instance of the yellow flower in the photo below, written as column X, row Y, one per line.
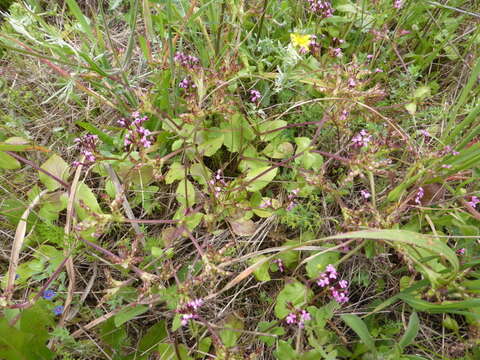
column 302, row 41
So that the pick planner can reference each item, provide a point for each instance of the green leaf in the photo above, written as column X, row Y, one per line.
column 411, row 332
column 87, row 197
column 212, row 142
column 280, row 150
column 176, row 172
column 318, row 264
column 264, row 326
column 128, row 313
column 261, row 273
column 8, row 162
column 295, row 294
column 153, row 336
column 262, row 181
column 285, row 351
column 84, row 24
column 237, row 132
column 357, row 325
column 230, row 337
column 185, row 193
column 56, row 166
column 107, row 139
column 270, row 126
column 167, row 352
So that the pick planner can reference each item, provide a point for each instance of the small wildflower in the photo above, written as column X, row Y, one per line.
column 370, row 56
column 188, row 61
column 255, row 96
column 291, row 318
column 419, row 195
column 189, row 310
column 404, row 32
column 322, row 8
column 49, row 294
column 343, row 284
column 352, row 83
column 397, row 4
column 58, row 310
column 323, row 281
column 425, row 133
column 378, row 70
column 337, row 52
column 474, row 200
column 446, row 166
column 301, row 41
column 279, row 263
column 461, row 251
column 137, row 134
column 365, row 194
column 343, row 115
column 361, row 139
column 88, row 146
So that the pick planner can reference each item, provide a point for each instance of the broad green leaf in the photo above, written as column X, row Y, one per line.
column 357, row 325
column 261, row 273
column 280, row 150
column 8, row 162
column 268, row 127
column 295, row 294
column 212, row 141
column 128, row 313
column 86, row 196
column 55, row 165
column 264, row 326
column 237, row 132
column 257, row 179
column 112, row 335
column 185, row 193
column 411, row 332
column 167, row 352
column 318, row 264
column 152, row 337
column 176, row 172
column 230, row 337
column 285, row 351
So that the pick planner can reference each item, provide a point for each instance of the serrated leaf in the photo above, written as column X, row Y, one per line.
column 55, row 165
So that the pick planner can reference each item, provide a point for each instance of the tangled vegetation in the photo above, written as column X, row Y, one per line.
column 254, row 179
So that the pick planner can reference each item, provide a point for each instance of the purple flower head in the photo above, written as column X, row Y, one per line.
column 397, row 4
column 321, row 8
column 279, row 263
column 352, row 83
column 187, row 317
column 425, row 133
column 323, row 281
column 188, row 61
column 343, row 115
column 361, row 139
column 474, row 200
column 365, row 194
column 195, row 304
column 49, row 294
column 88, row 146
column 255, row 96
column 337, row 52
column 305, row 316
column 343, row 284
column 461, row 251
column 291, row 318
column 58, row 310
column 419, row 195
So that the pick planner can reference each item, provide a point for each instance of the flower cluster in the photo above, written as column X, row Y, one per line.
column 218, row 183
column 187, row 83
column 280, row 265
column 361, row 139
column 190, row 310
column 474, row 200
column 336, row 52
column 255, row 96
column 188, row 61
column 88, row 147
column 447, row 150
column 365, row 194
column 322, row 8
column 425, row 133
column 136, row 134
column 58, row 310
column 419, row 195
column 338, row 289
column 298, row 318
column 397, row 4
column 291, row 199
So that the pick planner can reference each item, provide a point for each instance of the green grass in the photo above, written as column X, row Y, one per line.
column 259, row 167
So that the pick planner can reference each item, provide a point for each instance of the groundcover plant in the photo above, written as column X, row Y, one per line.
column 239, row 179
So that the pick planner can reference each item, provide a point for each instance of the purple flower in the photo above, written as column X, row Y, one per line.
column 365, row 194
column 337, row 52
column 58, row 310
column 49, row 294
column 419, row 195
column 461, row 251
column 265, row 204
column 88, row 146
column 343, row 284
column 474, row 200
column 343, row 115
column 291, row 318
column 322, row 8
column 446, row 166
column 323, row 281
column 352, row 83
column 255, row 96
column 195, row 304
column 332, row 271
column 397, row 4
column 188, row 61
column 305, row 315
column 361, row 139
column 187, row 317
column 425, row 133
column 279, row 263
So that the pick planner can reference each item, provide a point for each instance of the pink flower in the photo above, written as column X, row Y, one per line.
column 361, row 139
column 425, row 133
column 255, row 96
column 461, row 251
column 474, row 200
column 419, row 195
column 365, row 194
column 323, row 281
column 291, row 318
column 343, row 284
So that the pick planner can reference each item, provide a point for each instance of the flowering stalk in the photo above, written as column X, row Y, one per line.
column 338, row 288
column 137, row 135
